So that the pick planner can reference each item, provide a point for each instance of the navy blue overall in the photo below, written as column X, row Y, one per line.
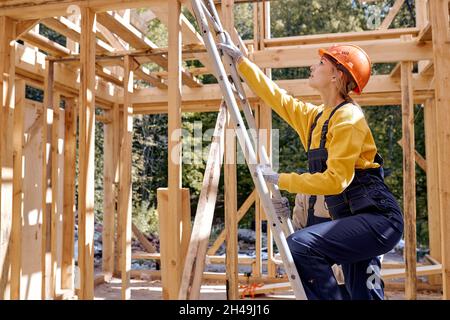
column 366, row 223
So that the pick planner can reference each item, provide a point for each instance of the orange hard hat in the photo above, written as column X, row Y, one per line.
column 354, row 59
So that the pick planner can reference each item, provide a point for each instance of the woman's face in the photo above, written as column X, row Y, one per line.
column 322, row 74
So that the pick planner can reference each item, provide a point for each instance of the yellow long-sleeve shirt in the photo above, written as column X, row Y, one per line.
column 349, row 141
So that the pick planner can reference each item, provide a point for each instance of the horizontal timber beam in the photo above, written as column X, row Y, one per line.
column 36, row 9
column 381, row 90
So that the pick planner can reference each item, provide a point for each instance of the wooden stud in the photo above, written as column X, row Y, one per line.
column 125, row 188
column 231, row 223
column 7, row 97
column 173, row 269
column 17, row 217
column 68, row 234
column 409, row 180
column 117, row 142
column 54, row 176
column 86, row 155
column 439, row 18
column 47, row 121
column 184, row 238
column 230, row 182
column 432, row 184
column 109, row 202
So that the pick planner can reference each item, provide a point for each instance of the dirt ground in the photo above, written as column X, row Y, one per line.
column 151, row 290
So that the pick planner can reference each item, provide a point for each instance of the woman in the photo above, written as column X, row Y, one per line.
column 344, row 166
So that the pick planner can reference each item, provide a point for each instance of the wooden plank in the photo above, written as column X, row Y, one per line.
column 195, row 258
column 183, row 220
column 385, row 50
column 125, row 189
column 240, row 214
column 432, row 182
column 230, row 182
column 70, row 137
column 17, row 216
column 117, row 141
column 231, row 219
column 44, row 8
column 382, row 86
column 7, row 70
column 54, row 176
column 47, row 121
column 441, row 44
column 409, row 181
column 173, row 270
column 391, row 15
column 420, row 160
column 86, row 155
column 109, row 202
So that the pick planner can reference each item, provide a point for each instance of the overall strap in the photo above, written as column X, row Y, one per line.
column 312, row 128
column 323, row 136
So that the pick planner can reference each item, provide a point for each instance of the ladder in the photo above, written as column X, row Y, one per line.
column 206, row 15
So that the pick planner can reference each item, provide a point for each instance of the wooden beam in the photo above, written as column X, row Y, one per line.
column 230, row 182
column 47, row 121
column 86, row 155
column 391, row 15
column 439, row 17
column 54, row 176
column 125, row 188
column 386, row 50
column 7, row 102
column 173, row 270
column 420, row 160
column 109, row 201
column 195, row 258
column 433, row 195
column 409, row 181
column 68, row 229
column 45, row 8
column 385, row 89
column 17, row 216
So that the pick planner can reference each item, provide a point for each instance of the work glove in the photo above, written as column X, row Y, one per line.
column 230, row 49
column 269, row 175
column 281, row 206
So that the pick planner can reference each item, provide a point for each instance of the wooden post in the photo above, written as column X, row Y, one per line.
column 231, row 223
column 439, row 18
column 117, row 126
column 109, row 201
column 54, row 193
column 409, row 179
column 164, row 224
column 86, row 155
column 46, row 183
column 421, row 21
column 230, row 183
column 70, row 139
column 431, row 146
column 7, row 71
column 17, row 218
column 125, row 189
column 173, row 270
